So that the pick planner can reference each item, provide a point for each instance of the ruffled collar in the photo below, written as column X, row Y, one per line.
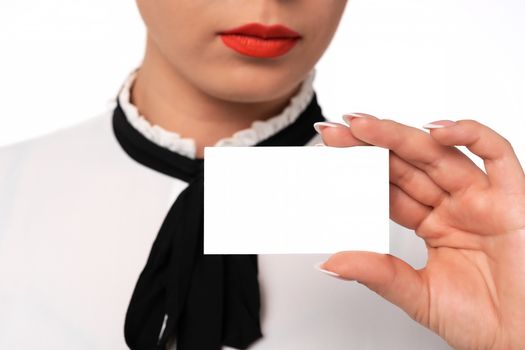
column 259, row 130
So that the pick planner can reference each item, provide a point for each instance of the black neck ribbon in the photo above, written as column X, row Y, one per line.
column 200, row 301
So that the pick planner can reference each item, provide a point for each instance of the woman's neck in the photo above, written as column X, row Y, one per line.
column 166, row 99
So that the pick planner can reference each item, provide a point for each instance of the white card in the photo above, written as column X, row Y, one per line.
column 295, row 200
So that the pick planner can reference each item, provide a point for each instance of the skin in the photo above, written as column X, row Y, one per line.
column 191, row 83
column 472, row 290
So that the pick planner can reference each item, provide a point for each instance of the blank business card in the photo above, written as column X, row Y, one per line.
column 295, row 200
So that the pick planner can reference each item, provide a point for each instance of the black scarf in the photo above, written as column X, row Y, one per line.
column 202, row 301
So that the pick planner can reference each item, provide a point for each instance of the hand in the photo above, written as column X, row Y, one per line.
column 472, row 290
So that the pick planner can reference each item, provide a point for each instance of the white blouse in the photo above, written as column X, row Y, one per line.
column 77, row 220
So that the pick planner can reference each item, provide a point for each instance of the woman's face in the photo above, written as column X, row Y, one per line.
column 185, row 33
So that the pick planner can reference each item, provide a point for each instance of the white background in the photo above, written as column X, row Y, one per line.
column 414, row 61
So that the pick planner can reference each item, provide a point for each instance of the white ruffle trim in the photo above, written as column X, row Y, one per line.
column 259, row 130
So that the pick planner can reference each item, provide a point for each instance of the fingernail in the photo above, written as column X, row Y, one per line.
column 320, row 144
column 349, row 116
column 439, row 124
column 319, row 126
column 319, row 268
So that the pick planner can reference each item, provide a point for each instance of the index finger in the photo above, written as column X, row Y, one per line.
column 500, row 160
column 450, row 168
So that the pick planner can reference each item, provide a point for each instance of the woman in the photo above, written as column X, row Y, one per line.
column 100, row 222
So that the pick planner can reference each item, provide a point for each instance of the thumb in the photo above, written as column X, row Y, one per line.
column 388, row 276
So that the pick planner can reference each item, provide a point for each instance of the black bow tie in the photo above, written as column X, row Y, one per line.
column 201, row 301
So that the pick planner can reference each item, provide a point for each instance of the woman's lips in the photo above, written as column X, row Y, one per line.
column 259, row 40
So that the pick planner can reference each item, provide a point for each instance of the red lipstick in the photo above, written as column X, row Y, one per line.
column 259, row 40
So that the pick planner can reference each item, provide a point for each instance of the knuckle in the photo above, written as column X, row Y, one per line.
column 477, row 125
column 405, row 178
column 506, row 142
column 434, row 164
column 471, row 123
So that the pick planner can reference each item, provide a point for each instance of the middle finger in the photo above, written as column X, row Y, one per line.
column 414, row 182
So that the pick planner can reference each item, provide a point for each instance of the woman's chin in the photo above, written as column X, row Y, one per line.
column 252, row 90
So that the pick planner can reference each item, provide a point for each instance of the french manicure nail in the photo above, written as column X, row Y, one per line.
column 439, row 124
column 319, row 126
column 330, row 273
column 349, row 116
